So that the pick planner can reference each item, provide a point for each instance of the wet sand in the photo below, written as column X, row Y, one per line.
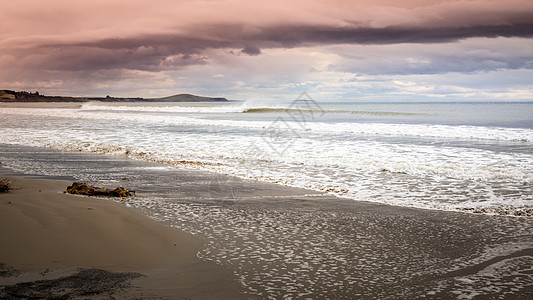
column 45, row 235
column 321, row 247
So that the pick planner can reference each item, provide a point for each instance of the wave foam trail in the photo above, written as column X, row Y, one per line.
column 163, row 108
column 464, row 132
column 185, row 107
column 354, row 160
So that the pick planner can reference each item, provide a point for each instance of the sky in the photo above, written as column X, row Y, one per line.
column 335, row 50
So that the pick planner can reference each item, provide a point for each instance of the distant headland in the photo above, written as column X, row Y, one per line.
column 23, row 96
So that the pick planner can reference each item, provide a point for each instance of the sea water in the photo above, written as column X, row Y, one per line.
column 449, row 156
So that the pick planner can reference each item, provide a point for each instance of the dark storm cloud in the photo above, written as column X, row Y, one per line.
column 251, row 50
column 292, row 36
column 160, row 52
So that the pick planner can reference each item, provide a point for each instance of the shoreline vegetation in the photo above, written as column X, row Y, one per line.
column 24, row 96
column 61, row 246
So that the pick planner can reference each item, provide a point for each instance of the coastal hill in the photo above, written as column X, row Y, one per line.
column 186, row 98
column 23, row 96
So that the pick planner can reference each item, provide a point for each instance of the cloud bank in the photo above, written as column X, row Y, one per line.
column 80, row 48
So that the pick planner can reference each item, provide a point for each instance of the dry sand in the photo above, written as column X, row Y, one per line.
column 42, row 229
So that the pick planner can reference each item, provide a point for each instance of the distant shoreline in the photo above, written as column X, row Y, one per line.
column 23, row 96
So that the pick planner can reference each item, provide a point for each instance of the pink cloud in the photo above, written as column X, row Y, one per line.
column 79, row 38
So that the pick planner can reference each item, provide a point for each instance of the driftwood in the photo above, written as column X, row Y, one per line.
column 5, row 185
column 80, row 188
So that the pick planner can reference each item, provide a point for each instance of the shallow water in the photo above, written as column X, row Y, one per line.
column 444, row 156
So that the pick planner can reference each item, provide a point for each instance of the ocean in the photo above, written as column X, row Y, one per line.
column 351, row 233
column 445, row 156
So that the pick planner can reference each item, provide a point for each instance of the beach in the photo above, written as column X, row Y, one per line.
column 45, row 235
column 356, row 201
column 279, row 242
column 277, row 150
